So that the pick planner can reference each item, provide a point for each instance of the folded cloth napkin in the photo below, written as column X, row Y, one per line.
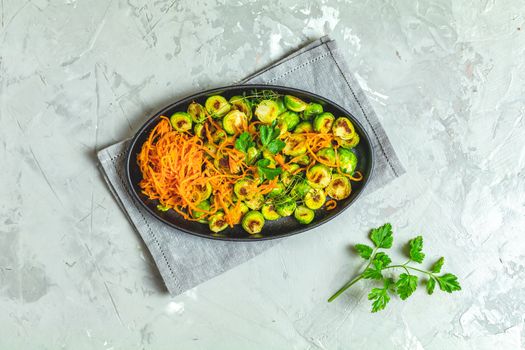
column 184, row 260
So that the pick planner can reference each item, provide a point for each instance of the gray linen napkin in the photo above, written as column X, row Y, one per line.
column 184, row 260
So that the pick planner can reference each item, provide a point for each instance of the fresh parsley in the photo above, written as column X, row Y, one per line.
column 379, row 264
column 265, row 172
column 269, row 138
column 244, row 141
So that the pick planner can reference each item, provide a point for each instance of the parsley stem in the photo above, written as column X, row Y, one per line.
column 408, row 267
column 345, row 287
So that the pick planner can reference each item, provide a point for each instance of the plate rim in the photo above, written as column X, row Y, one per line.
column 308, row 227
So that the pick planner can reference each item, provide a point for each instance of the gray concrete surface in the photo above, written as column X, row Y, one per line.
column 447, row 79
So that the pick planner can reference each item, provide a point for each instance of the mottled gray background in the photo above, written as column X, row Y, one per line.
column 447, row 79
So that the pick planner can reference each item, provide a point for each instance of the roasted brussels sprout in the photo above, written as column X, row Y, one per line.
column 286, row 206
column 304, row 214
column 277, row 190
column 242, row 188
column 255, row 202
column 217, row 106
column 314, row 199
column 199, row 130
column 323, row 122
column 327, row 155
column 197, row 112
column 343, row 128
column 286, row 177
column 253, row 222
column 234, row 121
column 303, row 127
column 241, row 104
column 203, row 191
column 301, row 189
column 312, row 110
column 244, row 208
column 280, row 104
column 319, row 176
column 267, row 111
column 339, row 188
column 295, row 145
column 288, row 120
column 294, row 103
column 181, row 121
column 347, row 160
column 216, row 222
column 269, row 212
column 252, row 154
column 303, row 160
column 354, row 141
column 204, row 205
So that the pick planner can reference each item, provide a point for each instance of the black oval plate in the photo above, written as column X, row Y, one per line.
column 272, row 229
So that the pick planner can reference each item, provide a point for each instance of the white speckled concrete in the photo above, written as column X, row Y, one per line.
column 447, row 79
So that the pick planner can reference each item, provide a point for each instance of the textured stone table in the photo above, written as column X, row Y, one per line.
column 447, row 79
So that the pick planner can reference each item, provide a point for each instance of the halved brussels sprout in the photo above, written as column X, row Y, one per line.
column 314, row 199
column 234, row 121
column 343, row 128
column 312, row 110
column 286, row 206
column 303, row 127
column 277, row 190
column 222, row 162
column 354, row 141
column 347, row 160
column 244, row 209
column 204, row 205
column 199, row 130
column 241, row 104
column 301, row 189
column 304, row 214
column 253, row 222
column 267, row 111
column 339, row 188
column 242, row 188
column 327, row 154
column 286, row 177
column 269, row 212
column 323, row 122
column 252, row 154
column 218, row 136
column 280, row 104
column 303, row 160
column 197, row 112
column 216, row 222
column 288, row 120
column 294, row 103
column 255, row 202
column 295, row 145
column 181, row 121
column 204, row 191
column 217, row 106
column 319, row 176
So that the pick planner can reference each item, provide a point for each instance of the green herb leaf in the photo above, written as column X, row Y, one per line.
column 448, row 283
column 431, row 284
column 383, row 258
column 243, row 142
column 436, row 268
column 364, row 251
column 374, row 272
column 416, row 249
column 275, row 146
column 382, row 236
column 265, row 172
column 406, row 285
column 266, row 134
column 380, row 295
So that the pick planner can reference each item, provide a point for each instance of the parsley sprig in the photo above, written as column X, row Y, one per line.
column 406, row 283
